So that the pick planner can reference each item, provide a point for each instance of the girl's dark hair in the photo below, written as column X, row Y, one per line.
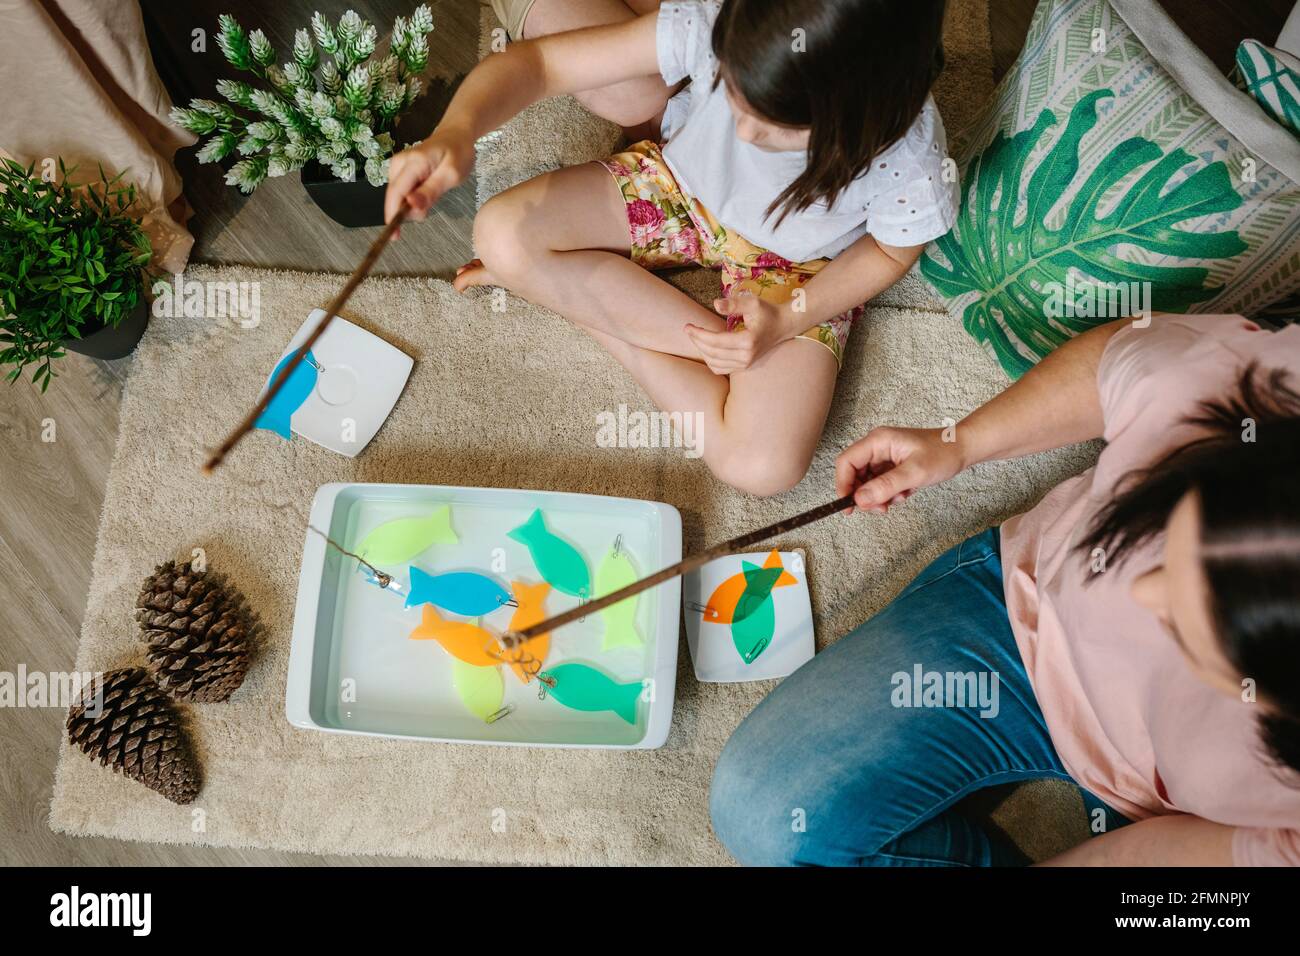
column 856, row 76
column 1250, row 536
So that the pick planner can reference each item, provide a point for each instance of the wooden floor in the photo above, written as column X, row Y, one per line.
column 54, row 490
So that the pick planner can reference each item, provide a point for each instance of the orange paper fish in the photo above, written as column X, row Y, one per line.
column 721, row 607
column 462, row 640
column 532, row 652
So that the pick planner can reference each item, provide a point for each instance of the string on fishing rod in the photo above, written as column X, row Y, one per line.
column 737, row 544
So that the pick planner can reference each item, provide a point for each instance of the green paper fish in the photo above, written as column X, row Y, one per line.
column 400, row 540
column 616, row 572
column 481, row 689
column 558, row 562
column 753, row 633
column 585, row 688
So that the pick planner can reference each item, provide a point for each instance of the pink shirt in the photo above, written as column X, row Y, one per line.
column 1130, row 720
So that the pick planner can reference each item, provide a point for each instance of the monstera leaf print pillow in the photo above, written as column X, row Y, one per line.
column 1115, row 173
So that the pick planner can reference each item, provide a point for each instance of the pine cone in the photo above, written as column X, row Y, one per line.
column 136, row 730
column 198, row 630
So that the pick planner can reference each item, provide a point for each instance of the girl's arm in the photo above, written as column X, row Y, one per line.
column 1055, row 404
column 1182, row 840
column 506, row 83
column 858, row 274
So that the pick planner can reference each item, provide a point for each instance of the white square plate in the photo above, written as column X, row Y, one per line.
column 712, row 650
column 359, row 381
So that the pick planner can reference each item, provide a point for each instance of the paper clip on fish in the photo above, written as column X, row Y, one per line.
column 382, row 580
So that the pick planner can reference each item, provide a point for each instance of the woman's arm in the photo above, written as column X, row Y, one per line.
column 506, row 83
column 1055, row 404
column 1181, row 840
column 858, row 274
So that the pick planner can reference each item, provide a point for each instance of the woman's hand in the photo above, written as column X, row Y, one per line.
column 421, row 174
column 886, row 466
column 766, row 326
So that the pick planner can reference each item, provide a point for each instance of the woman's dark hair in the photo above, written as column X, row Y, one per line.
column 1250, row 536
column 855, row 72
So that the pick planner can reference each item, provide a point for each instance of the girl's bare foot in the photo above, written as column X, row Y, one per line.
column 472, row 274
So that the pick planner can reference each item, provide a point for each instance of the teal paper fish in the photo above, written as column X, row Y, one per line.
column 616, row 572
column 759, row 583
column 558, row 562
column 275, row 417
column 585, row 688
column 752, row 633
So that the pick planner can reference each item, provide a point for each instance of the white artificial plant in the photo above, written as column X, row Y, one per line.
column 333, row 102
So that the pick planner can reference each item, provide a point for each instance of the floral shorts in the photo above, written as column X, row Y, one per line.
column 668, row 228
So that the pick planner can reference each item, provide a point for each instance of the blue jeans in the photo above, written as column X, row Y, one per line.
column 853, row 761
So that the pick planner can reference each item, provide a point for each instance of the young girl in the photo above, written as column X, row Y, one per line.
column 803, row 158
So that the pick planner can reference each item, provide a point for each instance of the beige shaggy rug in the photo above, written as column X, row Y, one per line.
column 487, row 404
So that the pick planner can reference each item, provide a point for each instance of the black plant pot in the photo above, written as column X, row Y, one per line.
column 349, row 204
column 113, row 342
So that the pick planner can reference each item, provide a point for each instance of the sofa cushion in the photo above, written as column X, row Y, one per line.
column 1115, row 170
column 1272, row 78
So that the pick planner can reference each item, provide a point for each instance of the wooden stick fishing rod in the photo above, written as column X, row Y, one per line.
column 333, row 309
column 740, row 543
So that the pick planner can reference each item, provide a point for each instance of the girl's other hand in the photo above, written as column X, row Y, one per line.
column 727, row 352
column 421, row 174
column 889, row 464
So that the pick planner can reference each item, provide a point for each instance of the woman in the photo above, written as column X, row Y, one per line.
column 1142, row 622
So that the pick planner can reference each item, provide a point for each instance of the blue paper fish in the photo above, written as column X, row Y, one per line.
column 290, row 397
column 559, row 563
column 461, row 592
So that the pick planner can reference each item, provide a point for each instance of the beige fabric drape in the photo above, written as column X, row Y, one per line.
column 77, row 81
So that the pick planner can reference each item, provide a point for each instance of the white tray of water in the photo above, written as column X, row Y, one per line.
column 423, row 658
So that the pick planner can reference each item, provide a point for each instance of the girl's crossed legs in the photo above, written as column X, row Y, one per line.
column 562, row 240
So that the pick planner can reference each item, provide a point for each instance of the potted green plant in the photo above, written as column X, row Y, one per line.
column 72, row 269
column 328, row 113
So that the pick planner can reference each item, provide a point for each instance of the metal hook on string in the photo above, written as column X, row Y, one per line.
column 382, row 578
column 543, row 683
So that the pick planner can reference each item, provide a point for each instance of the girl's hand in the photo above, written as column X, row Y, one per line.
column 421, row 174
column 886, row 466
column 727, row 352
